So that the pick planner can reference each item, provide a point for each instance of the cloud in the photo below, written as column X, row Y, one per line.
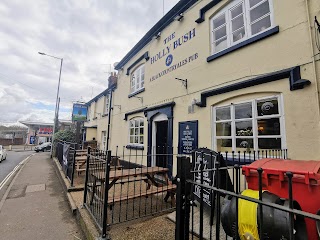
column 90, row 35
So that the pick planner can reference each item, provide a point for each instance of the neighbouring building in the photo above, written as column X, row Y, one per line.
column 244, row 75
column 40, row 132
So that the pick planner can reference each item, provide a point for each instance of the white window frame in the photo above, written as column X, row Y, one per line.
column 104, row 140
column 106, row 104
column 254, row 119
column 247, row 22
column 134, row 135
column 137, row 79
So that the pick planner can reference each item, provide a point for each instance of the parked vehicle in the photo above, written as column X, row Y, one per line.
column 42, row 147
column 3, row 153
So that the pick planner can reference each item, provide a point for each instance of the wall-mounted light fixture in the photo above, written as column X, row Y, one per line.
column 184, row 82
column 157, row 36
column 140, row 98
column 179, row 17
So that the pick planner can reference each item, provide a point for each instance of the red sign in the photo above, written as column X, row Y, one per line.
column 45, row 131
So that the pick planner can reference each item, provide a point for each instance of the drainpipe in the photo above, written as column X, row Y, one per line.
column 109, row 120
column 313, row 55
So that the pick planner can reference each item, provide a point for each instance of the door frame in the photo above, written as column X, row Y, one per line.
column 158, row 118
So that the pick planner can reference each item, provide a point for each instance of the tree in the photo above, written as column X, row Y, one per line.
column 65, row 135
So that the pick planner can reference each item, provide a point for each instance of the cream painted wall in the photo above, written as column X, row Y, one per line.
column 290, row 47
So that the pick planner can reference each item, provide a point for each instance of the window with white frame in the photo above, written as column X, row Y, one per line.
column 136, row 126
column 248, row 126
column 240, row 20
column 137, row 79
column 104, row 140
column 106, row 104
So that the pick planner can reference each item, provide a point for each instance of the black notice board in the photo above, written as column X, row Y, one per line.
column 188, row 137
column 206, row 159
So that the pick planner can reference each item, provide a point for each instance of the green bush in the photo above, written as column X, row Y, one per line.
column 65, row 135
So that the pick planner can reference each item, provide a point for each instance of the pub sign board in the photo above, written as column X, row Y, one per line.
column 188, row 137
column 204, row 161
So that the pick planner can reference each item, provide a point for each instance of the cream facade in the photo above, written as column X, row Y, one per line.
column 247, row 71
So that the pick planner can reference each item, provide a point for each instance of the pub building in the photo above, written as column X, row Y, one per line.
column 226, row 75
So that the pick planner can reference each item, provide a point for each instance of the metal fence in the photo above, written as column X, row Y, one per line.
column 124, row 186
column 66, row 155
column 211, row 200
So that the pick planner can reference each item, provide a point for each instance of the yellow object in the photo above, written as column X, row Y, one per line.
column 247, row 219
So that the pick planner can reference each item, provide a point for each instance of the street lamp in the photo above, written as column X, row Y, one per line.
column 56, row 108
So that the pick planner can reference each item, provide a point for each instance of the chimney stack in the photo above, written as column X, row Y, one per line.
column 112, row 80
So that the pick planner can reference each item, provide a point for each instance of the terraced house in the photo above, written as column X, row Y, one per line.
column 227, row 75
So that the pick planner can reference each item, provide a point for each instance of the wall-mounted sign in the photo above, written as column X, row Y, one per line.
column 45, row 131
column 188, row 137
column 79, row 112
column 204, row 161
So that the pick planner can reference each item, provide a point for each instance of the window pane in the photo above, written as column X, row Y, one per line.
column 254, row 2
column 141, row 131
column 223, row 129
column 131, row 139
column 244, row 143
column 136, row 131
column 219, row 21
column 259, row 11
column 269, row 126
column 141, row 122
column 243, row 110
column 136, row 123
column 236, row 11
column 261, row 25
column 224, row 145
column 131, row 123
column 267, row 107
column 221, row 44
column 238, row 35
column 141, row 139
column 136, row 139
column 237, row 23
column 223, row 113
column 244, row 128
column 220, row 33
column 131, row 131
column 269, row 143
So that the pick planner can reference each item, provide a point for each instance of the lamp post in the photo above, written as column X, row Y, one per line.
column 57, row 99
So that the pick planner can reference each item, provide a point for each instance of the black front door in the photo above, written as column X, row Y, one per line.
column 161, row 143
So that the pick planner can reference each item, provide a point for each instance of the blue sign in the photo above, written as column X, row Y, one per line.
column 79, row 112
column 188, row 137
column 169, row 60
column 32, row 140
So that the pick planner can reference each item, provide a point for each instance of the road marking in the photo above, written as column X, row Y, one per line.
column 5, row 180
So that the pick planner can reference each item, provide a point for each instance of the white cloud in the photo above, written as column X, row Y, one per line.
column 89, row 34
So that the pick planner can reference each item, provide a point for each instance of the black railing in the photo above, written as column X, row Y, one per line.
column 127, row 185
column 212, row 197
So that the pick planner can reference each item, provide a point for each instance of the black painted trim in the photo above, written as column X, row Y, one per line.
column 170, row 104
column 135, row 147
column 135, row 93
column 133, row 112
column 205, row 9
column 144, row 56
column 249, row 41
column 180, row 7
column 293, row 74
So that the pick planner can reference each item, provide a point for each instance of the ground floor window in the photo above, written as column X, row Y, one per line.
column 136, row 127
column 251, row 125
column 104, row 140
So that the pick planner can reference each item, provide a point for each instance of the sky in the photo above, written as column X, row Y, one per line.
column 90, row 36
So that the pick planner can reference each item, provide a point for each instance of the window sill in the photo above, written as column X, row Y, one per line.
column 136, row 92
column 137, row 147
column 249, row 41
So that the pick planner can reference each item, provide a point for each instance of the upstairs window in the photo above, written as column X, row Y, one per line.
column 239, row 21
column 106, row 105
column 136, row 129
column 137, row 79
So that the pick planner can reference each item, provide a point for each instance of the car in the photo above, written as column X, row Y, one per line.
column 3, row 153
column 43, row 146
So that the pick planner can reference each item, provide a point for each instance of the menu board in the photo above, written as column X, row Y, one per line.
column 188, row 137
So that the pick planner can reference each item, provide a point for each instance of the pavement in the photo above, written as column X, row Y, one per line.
column 35, row 205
